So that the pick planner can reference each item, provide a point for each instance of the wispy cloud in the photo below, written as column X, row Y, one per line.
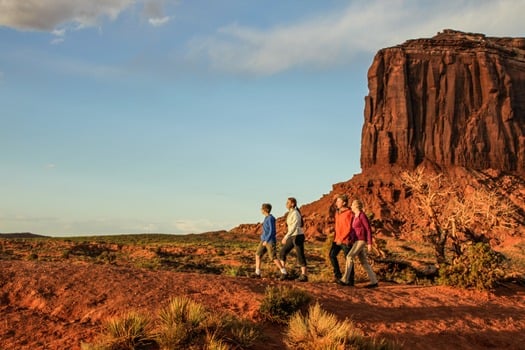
column 363, row 27
column 154, row 12
column 61, row 226
column 67, row 66
column 157, row 22
column 46, row 15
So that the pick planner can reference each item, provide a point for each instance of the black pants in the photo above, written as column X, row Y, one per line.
column 296, row 242
column 334, row 252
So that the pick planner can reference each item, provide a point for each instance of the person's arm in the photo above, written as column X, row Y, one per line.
column 293, row 221
column 266, row 230
column 366, row 224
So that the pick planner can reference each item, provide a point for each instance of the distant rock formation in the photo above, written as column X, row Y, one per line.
column 457, row 99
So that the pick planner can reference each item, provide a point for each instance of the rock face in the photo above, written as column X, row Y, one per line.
column 457, row 99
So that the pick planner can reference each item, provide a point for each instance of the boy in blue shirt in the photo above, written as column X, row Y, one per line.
column 268, row 241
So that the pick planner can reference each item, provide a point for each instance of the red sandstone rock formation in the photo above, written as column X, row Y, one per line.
column 455, row 99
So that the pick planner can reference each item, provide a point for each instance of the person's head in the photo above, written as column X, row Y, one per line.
column 266, row 208
column 341, row 201
column 357, row 206
column 291, row 203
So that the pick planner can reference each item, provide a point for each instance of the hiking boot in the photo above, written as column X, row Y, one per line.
column 372, row 285
column 302, row 278
column 255, row 275
column 283, row 277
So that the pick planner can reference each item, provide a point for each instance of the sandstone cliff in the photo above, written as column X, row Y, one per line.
column 455, row 99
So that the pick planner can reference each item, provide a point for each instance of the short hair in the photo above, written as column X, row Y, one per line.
column 267, row 207
column 293, row 200
column 358, row 204
column 344, row 198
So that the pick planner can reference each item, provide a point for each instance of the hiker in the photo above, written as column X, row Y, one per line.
column 294, row 238
column 268, row 242
column 343, row 217
column 362, row 237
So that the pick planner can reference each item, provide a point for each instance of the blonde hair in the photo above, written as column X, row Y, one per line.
column 358, row 204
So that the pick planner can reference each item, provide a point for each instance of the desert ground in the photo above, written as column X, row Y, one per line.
column 57, row 294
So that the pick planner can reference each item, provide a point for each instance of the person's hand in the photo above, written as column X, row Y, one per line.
column 283, row 241
column 369, row 248
column 264, row 243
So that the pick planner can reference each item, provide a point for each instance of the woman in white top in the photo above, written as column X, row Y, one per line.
column 294, row 238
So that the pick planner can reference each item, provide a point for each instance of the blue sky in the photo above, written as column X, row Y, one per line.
column 131, row 116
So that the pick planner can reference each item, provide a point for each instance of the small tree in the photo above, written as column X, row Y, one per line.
column 461, row 214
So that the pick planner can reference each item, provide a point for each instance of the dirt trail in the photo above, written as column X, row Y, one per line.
column 58, row 305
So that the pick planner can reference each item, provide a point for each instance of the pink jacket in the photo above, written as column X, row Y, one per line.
column 361, row 228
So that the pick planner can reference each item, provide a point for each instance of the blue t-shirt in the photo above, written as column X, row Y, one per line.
column 269, row 232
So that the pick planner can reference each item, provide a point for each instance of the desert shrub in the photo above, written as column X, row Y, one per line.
column 320, row 330
column 181, row 321
column 478, row 267
column 327, row 245
column 214, row 343
column 235, row 271
column 32, row 257
column 281, row 302
column 241, row 333
column 132, row 332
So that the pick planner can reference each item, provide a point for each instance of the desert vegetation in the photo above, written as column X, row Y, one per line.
column 292, row 316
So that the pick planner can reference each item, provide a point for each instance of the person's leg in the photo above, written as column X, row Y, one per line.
column 261, row 249
column 356, row 248
column 346, row 250
column 285, row 249
column 334, row 252
column 363, row 259
column 271, row 249
column 301, row 258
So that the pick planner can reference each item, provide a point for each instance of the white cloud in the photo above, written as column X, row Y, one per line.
column 157, row 22
column 46, row 15
column 154, row 11
column 57, row 41
column 363, row 27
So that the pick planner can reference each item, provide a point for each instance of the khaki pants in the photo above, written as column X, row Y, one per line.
column 359, row 250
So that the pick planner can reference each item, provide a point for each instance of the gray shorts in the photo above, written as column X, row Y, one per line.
column 269, row 247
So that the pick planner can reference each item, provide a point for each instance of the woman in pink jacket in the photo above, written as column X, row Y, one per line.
column 362, row 236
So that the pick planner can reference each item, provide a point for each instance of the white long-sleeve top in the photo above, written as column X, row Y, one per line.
column 293, row 220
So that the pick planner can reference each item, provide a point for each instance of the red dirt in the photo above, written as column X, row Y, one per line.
column 59, row 305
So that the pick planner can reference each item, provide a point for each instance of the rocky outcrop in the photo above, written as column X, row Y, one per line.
column 455, row 99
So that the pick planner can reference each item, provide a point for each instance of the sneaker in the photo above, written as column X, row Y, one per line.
column 302, row 278
column 283, row 277
column 255, row 275
column 372, row 285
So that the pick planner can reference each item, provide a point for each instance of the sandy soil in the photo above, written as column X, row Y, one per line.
column 59, row 305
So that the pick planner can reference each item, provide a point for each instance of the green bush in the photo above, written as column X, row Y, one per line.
column 479, row 267
column 281, row 302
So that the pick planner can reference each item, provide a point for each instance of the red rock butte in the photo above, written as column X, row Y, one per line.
column 457, row 99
